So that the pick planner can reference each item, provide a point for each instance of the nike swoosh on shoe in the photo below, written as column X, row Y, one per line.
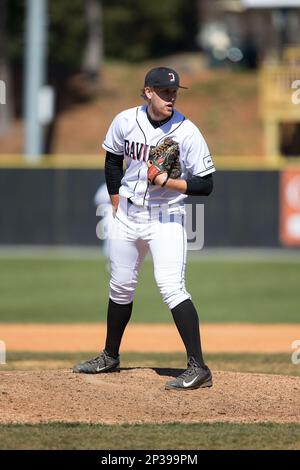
column 100, row 368
column 188, row 384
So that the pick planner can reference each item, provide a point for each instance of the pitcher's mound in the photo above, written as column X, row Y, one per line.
column 138, row 396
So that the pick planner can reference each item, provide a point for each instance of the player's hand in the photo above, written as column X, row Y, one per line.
column 114, row 199
column 159, row 179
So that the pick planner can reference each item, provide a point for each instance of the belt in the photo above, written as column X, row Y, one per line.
column 130, row 201
column 133, row 204
column 155, row 206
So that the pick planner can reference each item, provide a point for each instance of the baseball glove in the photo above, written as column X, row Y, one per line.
column 164, row 158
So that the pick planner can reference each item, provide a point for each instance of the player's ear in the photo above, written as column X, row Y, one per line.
column 148, row 92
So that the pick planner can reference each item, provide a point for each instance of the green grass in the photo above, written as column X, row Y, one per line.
column 45, row 289
column 167, row 436
column 255, row 363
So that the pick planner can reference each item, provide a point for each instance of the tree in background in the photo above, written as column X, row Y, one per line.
column 81, row 32
column 93, row 56
column 136, row 30
column 133, row 30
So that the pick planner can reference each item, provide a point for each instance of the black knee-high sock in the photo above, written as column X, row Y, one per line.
column 117, row 318
column 187, row 323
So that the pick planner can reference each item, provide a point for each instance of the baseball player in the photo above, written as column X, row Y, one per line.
column 149, row 215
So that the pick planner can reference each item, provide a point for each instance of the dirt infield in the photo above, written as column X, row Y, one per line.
column 248, row 338
column 138, row 396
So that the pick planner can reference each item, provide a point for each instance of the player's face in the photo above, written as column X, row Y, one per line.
column 162, row 101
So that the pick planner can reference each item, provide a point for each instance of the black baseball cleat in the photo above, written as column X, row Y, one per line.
column 195, row 376
column 98, row 364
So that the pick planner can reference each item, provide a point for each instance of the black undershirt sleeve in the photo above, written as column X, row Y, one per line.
column 196, row 185
column 113, row 172
column 199, row 186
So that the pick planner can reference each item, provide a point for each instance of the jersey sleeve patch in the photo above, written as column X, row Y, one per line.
column 208, row 163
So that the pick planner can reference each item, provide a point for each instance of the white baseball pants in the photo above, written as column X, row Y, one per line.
column 137, row 230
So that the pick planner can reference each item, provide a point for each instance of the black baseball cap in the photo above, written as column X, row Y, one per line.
column 162, row 77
